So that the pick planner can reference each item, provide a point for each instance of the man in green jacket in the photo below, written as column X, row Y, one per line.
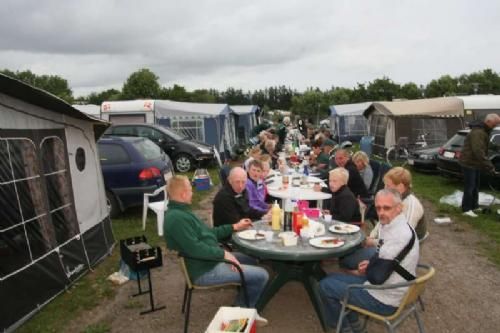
column 185, row 232
column 474, row 159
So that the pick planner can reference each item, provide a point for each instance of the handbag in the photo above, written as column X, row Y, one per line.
column 379, row 270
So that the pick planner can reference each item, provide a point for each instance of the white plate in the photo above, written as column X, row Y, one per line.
column 250, row 235
column 344, row 228
column 323, row 242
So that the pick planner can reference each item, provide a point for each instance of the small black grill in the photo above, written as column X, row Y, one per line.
column 140, row 256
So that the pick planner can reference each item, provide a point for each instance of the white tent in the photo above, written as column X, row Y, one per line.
column 348, row 122
column 478, row 106
column 90, row 109
column 54, row 223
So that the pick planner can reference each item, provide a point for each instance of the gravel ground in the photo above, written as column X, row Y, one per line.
column 462, row 297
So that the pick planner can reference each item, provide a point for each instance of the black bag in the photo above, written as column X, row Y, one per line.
column 379, row 270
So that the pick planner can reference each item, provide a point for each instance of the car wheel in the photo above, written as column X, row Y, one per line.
column 113, row 206
column 183, row 163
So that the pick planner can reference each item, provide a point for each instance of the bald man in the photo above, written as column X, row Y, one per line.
column 231, row 203
column 186, row 233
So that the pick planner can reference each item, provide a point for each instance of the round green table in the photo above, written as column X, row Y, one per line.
column 295, row 263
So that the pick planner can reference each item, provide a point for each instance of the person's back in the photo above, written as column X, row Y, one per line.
column 475, row 148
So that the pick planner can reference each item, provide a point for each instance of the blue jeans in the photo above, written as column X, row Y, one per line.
column 255, row 278
column 333, row 289
column 352, row 260
column 470, row 200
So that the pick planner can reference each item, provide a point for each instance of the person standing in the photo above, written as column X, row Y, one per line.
column 474, row 159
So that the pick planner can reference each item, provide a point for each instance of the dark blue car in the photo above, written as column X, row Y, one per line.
column 131, row 166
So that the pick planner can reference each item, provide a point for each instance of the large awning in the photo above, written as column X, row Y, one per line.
column 431, row 107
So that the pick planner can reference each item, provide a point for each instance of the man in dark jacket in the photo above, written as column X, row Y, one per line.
column 474, row 159
column 231, row 202
column 355, row 183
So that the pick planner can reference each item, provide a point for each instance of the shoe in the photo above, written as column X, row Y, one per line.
column 261, row 321
column 470, row 213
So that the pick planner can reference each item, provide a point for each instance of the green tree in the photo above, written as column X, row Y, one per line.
column 53, row 84
column 141, row 84
column 410, row 91
column 106, row 95
column 203, row 96
column 176, row 93
column 444, row 86
column 383, row 89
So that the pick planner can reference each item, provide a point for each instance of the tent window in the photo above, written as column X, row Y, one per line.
column 22, row 238
column 80, row 159
column 191, row 128
column 378, row 127
column 58, row 187
column 434, row 127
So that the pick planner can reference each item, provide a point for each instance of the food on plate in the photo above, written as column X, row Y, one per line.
column 328, row 241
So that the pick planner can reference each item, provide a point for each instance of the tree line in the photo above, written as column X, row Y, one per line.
column 312, row 103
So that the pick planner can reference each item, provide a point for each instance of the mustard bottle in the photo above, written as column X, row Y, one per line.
column 276, row 217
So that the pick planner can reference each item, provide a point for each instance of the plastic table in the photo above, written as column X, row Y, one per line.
column 295, row 263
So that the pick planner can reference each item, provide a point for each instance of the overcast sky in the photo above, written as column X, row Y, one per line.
column 97, row 44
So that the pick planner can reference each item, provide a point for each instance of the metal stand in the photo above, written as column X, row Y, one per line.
column 150, row 291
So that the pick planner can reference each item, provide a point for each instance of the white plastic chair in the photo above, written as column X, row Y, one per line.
column 217, row 157
column 159, row 207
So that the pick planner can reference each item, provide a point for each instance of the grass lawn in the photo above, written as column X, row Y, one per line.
column 433, row 187
column 93, row 288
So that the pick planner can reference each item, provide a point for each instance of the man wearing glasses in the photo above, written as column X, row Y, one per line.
column 394, row 236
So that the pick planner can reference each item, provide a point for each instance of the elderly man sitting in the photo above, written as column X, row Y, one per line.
column 343, row 205
column 185, row 232
column 395, row 236
column 399, row 180
column 356, row 183
column 231, row 202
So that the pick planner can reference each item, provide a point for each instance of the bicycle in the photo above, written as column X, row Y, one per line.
column 398, row 152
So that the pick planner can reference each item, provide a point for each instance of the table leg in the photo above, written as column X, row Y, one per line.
column 310, row 280
column 309, row 273
column 283, row 275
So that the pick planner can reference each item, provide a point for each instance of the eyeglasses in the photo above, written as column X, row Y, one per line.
column 384, row 208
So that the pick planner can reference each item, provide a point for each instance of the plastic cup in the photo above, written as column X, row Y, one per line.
column 269, row 236
column 328, row 218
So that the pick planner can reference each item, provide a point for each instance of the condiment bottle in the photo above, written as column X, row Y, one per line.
column 275, row 217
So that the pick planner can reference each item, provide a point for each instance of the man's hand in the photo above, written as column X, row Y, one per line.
column 242, row 224
column 362, row 267
column 229, row 256
column 370, row 242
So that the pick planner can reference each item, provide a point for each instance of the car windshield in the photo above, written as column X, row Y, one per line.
column 174, row 135
column 456, row 141
column 148, row 149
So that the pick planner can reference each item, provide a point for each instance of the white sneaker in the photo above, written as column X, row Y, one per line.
column 261, row 321
column 470, row 213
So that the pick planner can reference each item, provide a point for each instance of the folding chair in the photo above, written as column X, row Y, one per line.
column 407, row 307
column 190, row 285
